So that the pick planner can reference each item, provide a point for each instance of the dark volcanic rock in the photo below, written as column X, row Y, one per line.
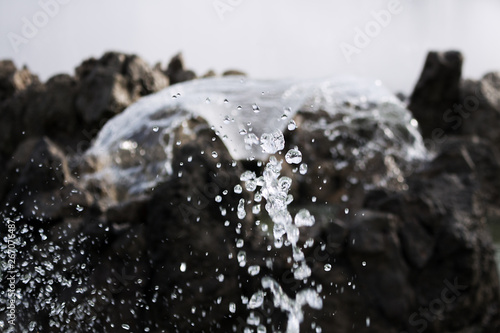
column 176, row 71
column 437, row 91
column 13, row 80
column 71, row 110
column 113, row 82
column 41, row 186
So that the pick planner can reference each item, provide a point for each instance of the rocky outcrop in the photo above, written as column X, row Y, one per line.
column 176, row 71
column 436, row 92
column 397, row 246
column 70, row 110
column 110, row 84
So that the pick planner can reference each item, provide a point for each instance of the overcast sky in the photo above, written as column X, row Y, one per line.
column 265, row 38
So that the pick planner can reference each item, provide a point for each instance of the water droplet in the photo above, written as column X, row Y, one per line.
column 207, row 100
column 183, row 267
column 214, row 154
column 155, row 129
column 292, row 125
column 367, row 321
column 304, row 218
column 271, row 143
column 327, row 267
column 238, row 189
column 256, row 300
column 232, row 307
column 242, row 258
column 303, row 169
column 253, row 270
column 261, row 329
column 255, row 108
column 218, row 198
column 363, row 263
column 293, row 156
column 241, row 209
column 79, row 208
column 126, row 327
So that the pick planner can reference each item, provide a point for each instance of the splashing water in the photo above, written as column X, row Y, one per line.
column 135, row 149
column 275, row 188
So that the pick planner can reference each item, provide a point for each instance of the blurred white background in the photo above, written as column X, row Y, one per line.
column 266, row 39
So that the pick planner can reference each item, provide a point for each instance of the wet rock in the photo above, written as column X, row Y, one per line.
column 437, row 90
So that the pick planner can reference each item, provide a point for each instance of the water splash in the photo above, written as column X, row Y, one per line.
column 135, row 148
column 275, row 189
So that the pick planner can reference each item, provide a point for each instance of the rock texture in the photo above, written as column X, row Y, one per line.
column 411, row 255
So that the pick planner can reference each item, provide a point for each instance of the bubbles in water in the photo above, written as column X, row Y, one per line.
column 214, row 154
column 292, row 125
column 238, row 189
column 327, row 267
column 293, row 156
